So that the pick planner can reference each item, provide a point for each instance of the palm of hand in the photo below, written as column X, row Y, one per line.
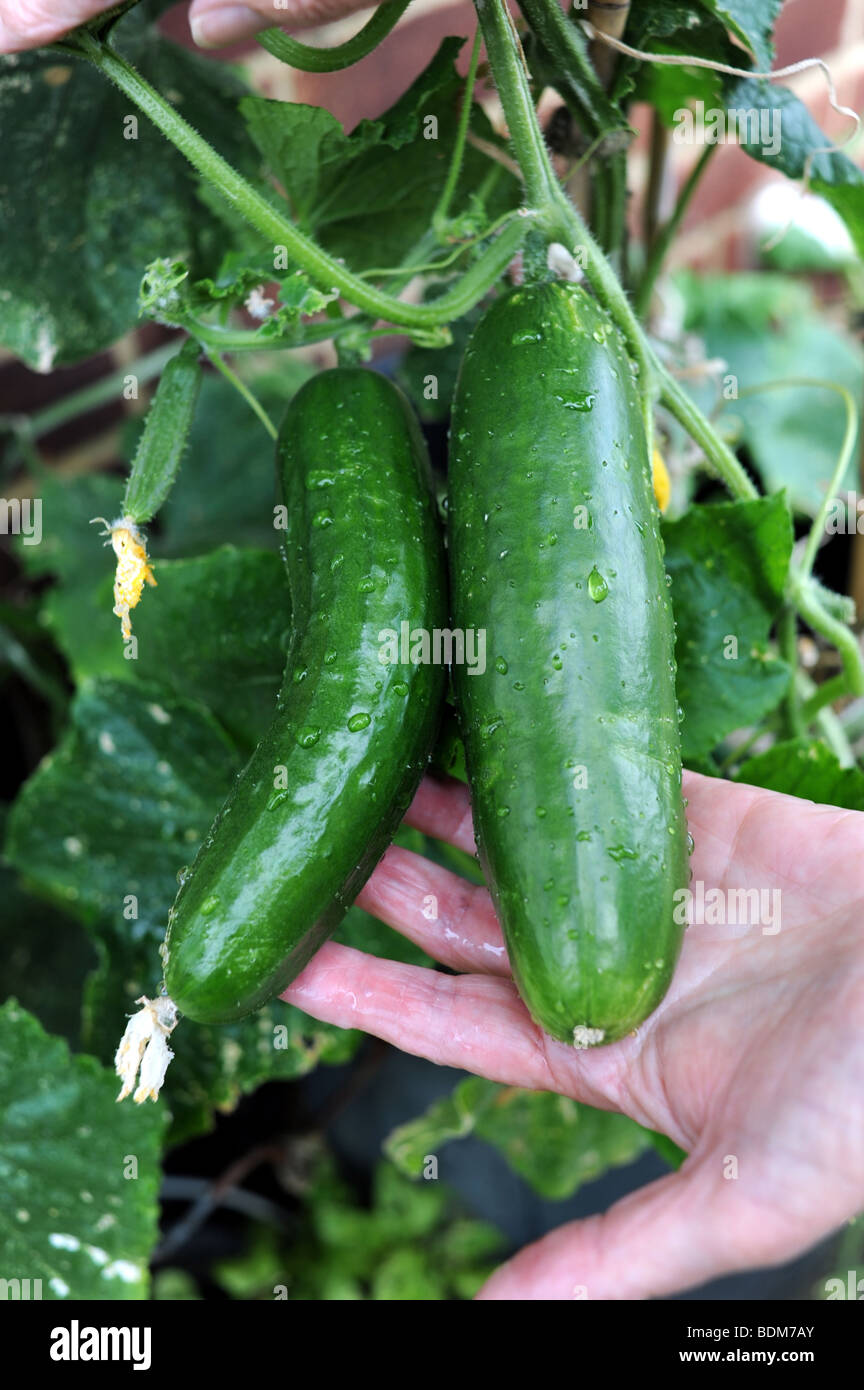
column 754, row 1063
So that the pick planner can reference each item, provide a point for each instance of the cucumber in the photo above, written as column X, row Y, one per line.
column 571, row 734
column 322, row 795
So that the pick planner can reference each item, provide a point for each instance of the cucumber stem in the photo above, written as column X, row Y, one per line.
column 308, row 59
column 273, row 225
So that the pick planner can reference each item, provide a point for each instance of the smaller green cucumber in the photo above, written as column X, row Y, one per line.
column 321, row 798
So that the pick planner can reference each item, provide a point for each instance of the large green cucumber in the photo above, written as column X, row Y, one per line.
column 571, row 733
column 323, row 794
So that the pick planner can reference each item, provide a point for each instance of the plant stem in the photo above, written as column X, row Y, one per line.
column 838, row 634
column 272, row 224
column 442, row 210
column 213, row 336
column 664, row 238
column 610, row 186
column 718, row 455
column 657, row 162
column 250, row 399
column 511, row 79
column 849, row 436
column 829, row 725
column 737, row 753
column 788, row 639
column 824, row 694
column 421, row 267
column 309, row 59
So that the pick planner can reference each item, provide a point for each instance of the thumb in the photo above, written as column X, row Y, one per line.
column 24, row 25
column 670, row 1235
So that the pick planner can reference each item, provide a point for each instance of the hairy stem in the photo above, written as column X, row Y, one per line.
column 249, row 397
column 343, row 55
column 271, row 223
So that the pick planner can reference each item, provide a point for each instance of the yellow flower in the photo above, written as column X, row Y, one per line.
column 662, row 485
column 133, row 566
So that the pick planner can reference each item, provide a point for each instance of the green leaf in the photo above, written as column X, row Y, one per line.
column 405, row 1276
column 369, row 196
column 120, row 806
column 407, row 1243
column 168, row 296
column 25, row 653
column 752, row 21
column 216, row 630
column 77, row 611
column 103, row 827
column 766, row 329
column 46, row 958
column 806, row 768
column 676, row 26
column 89, row 199
column 728, row 565
column 792, row 139
column 555, row 1143
column 79, row 1175
column 672, row 89
column 174, row 1286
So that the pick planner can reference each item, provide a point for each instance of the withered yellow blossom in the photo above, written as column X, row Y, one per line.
column 662, row 485
column 133, row 566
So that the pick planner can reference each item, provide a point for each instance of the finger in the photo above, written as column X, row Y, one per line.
column 745, row 836
column 442, row 808
column 451, row 919
column 668, row 1236
column 476, row 1022
column 32, row 23
column 215, row 23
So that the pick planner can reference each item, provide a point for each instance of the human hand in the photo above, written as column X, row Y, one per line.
column 756, row 1054
column 214, row 23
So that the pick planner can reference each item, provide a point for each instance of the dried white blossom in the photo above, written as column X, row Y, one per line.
column 144, row 1045
column 258, row 304
column 563, row 264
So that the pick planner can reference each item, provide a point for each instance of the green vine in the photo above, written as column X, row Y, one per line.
column 343, row 55
column 273, row 224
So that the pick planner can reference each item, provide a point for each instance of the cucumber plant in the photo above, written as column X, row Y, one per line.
column 542, row 324
column 585, row 873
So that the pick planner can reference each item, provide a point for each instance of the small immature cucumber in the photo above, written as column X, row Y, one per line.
column 164, row 437
column 320, row 799
column 571, row 733
column 154, row 469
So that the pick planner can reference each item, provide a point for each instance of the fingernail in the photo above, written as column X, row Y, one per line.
column 225, row 24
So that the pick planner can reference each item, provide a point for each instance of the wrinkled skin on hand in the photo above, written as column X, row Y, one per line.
column 214, row 23
column 754, row 1062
